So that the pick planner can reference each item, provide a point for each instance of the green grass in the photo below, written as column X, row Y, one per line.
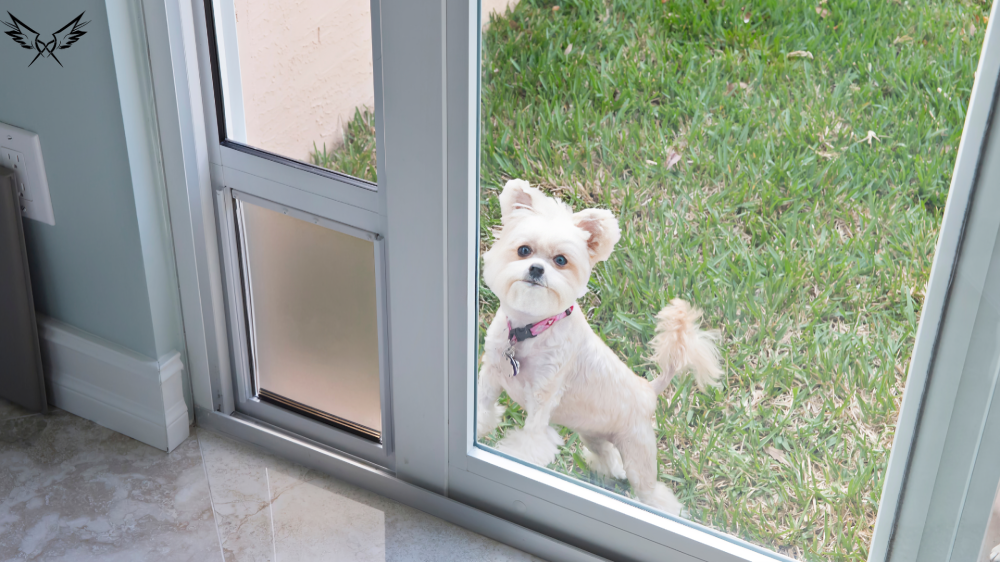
column 808, row 246
column 356, row 155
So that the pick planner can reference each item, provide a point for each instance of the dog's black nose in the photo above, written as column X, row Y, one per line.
column 536, row 271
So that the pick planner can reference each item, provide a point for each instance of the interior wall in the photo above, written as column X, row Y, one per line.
column 87, row 270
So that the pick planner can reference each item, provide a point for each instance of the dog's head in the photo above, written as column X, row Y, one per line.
column 543, row 257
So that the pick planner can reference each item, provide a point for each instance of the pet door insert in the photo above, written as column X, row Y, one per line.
column 311, row 314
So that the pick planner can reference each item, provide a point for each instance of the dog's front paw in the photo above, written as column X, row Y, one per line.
column 536, row 447
column 661, row 497
column 608, row 462
column 995, row 554
column 488, row 418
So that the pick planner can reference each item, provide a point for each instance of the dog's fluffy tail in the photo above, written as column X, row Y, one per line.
column 681, row 346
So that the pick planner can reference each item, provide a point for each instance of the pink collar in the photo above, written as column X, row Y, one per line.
column 515, row 335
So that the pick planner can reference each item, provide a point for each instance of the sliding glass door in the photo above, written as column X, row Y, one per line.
column 660, row 280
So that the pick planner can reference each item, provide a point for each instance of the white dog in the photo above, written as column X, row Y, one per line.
column 542, row 351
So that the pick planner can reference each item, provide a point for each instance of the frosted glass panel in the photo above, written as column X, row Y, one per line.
column 312, row 308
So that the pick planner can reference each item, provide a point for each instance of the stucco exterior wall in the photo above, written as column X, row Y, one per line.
column 305, row 66
column 498, row 6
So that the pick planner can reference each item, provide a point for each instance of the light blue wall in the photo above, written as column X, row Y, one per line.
column 88, row 270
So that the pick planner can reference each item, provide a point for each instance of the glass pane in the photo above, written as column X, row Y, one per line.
column 781, row 168
column 313, row 316
column 299, row 80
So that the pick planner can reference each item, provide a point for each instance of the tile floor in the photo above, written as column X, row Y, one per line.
column 71, row 490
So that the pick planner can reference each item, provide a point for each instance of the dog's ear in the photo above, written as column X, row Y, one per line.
column 518, row 199
column 602, row 226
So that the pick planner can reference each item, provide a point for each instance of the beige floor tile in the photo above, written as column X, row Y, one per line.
column 312, row 522
column 71, row 490
column 319, row 518
column 239, row 491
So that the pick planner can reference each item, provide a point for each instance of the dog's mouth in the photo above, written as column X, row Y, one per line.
column 535, row 282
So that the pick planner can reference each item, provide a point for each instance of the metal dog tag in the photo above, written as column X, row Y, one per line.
column 514, row 363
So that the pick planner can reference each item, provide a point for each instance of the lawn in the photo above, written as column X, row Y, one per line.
column 784, row 166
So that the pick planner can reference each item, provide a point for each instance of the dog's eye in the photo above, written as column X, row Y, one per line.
column 524, row 251
column 561, row 261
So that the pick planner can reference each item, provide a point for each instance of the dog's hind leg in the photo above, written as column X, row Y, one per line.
column 488, row 411
column 602, row 457
column 638, row 450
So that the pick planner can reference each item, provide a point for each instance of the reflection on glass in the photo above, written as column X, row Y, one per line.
column 786, row 179
column 313, row 316
column 990, row 551
column 305, row 81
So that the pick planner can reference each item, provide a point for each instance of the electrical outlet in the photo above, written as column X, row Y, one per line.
column 21, row 151
column 15, row 161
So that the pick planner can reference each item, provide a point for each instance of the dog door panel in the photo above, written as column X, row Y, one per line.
column 312, row 311
column 298, row 80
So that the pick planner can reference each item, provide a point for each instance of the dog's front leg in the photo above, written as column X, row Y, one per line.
column 537, row 442
column 488, row 411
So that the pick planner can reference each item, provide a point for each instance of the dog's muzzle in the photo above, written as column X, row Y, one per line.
column 535, row 275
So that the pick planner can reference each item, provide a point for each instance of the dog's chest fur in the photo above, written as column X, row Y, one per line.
column 542, row 358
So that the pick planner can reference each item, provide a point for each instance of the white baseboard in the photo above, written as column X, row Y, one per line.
column 114, row 386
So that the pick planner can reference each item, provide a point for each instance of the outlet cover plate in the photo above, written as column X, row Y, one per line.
column 21, row 151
